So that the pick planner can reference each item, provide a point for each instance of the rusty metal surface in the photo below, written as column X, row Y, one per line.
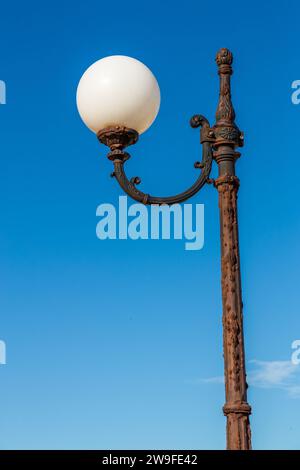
column 117, row 143
column 218, row 143
column 236, row 408
column 228, row 137
column 117, row 139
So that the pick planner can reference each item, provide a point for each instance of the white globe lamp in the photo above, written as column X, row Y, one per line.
column 118, row 91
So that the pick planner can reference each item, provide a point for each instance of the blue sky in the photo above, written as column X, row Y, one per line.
column 118, row 344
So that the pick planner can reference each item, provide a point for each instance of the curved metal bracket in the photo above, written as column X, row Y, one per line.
column 118, row 138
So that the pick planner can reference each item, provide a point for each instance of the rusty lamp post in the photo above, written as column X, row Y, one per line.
column 118, row 98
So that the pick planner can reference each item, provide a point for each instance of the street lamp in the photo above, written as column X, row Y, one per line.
column 118, row 98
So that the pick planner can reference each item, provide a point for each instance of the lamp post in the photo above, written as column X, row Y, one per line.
column 118, row 98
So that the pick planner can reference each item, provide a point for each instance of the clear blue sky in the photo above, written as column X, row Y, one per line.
column 118, row 344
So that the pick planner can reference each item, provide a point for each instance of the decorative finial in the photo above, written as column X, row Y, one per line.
column 225, row 130
column 224, row 57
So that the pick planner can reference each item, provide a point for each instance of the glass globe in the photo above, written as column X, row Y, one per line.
column 118, row 91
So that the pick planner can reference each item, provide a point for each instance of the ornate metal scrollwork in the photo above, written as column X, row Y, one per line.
column 219, row 143
column 119, row 138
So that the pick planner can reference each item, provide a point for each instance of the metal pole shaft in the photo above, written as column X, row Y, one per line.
column 228, row 137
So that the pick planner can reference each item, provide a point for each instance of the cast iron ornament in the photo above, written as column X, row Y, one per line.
column 219, row 143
